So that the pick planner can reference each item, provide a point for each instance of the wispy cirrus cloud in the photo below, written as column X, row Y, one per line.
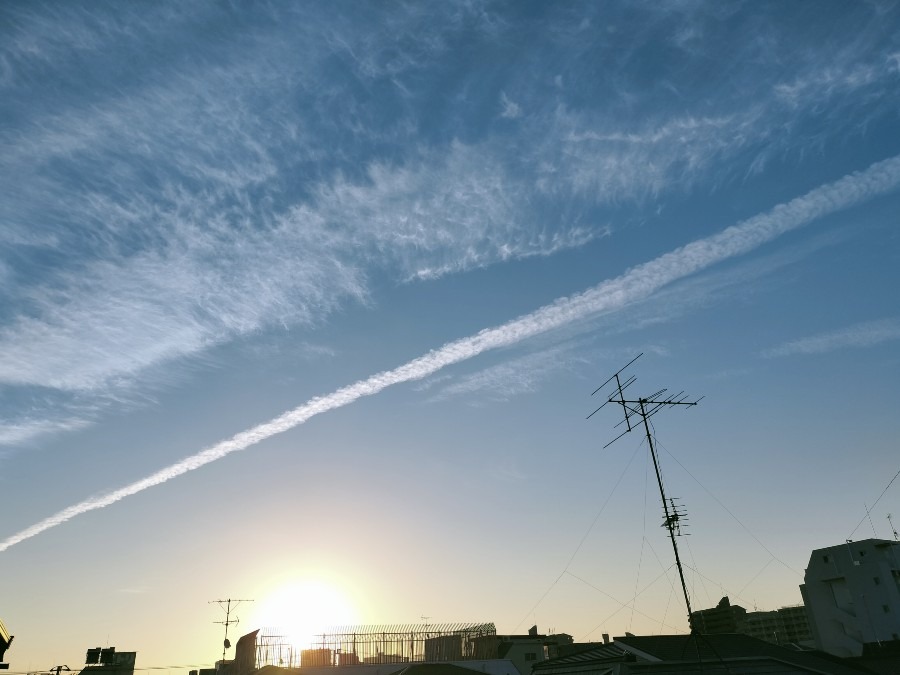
column 668, row 134
column 604, row 161
column 636, row 284
column 260, row 176
column 443, row 213
column 105, row 325
column 106, row 321
column 861, row 335
column 829, row 82
column 511, row 378
column 511, row 110
column 522, row 375
column 143, row 277
column 595, row 155
column 25, row 429
column 37, row 40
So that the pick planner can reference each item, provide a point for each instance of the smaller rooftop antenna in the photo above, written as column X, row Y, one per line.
column 226, row 607
column 869, row 516
column 893, row 529
column 636, row 412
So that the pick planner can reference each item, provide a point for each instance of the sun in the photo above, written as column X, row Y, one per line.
column 304, row 608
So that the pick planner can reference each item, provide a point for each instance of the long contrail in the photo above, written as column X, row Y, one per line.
column 635, row 284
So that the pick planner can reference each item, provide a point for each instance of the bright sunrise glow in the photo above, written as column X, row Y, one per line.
column 303, row 609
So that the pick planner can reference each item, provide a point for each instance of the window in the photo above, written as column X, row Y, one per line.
column 876, row 580
column 824, row 558
column 886, row 609
column 530, row 656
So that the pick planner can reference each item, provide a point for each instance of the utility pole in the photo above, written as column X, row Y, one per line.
column 644, row 408
column 226, row 607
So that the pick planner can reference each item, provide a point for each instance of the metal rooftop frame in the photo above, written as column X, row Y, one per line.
column 375, row 644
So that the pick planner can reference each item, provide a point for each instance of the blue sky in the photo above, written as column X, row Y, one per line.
column 317, row 294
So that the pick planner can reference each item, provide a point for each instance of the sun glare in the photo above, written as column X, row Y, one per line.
column 303, row 609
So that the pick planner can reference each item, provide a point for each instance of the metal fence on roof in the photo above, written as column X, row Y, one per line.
column 375, row 644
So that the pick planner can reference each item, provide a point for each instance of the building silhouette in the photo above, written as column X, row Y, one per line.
column 852, row 594
column 723, row 618
column 107, row 661
column 788, row 625
column 717, row 654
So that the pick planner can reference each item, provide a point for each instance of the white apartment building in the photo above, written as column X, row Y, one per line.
column 852, row 595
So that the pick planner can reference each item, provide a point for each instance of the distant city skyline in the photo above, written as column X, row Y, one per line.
column 305, row 304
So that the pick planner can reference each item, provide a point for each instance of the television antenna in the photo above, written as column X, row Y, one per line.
column 226, row 607
column 637, row 412
column 893, row 529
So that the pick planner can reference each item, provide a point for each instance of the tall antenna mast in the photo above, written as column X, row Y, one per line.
column 644, row 408
column 226, row 607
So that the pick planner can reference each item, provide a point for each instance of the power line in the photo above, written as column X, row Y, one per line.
column 862, row 520
column 729, row 512
column 583, row 539
column 637, row 576
column 622, row 605
column 755, row 576
column 719, row 584
column 664, row 573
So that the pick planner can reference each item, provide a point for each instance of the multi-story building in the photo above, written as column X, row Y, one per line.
column 787, row 625
column 852, row 595
column 723, row 618
column 795, row 623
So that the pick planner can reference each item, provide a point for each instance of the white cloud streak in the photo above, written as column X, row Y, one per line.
column 635, row 284
column 437, row 215
column 186, row 174
column 515, row 377
column 105, row 323
column 595, row 158
column 511, row 109
column 26, row 429
column 865, row 334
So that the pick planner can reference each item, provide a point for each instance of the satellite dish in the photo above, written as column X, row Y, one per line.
column 227, row 643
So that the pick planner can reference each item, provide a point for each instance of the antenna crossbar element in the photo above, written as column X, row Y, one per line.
column 617, row 373
column 646, row 407
column 893, row 529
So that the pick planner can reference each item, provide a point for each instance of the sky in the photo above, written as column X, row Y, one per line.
column 303, row 304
